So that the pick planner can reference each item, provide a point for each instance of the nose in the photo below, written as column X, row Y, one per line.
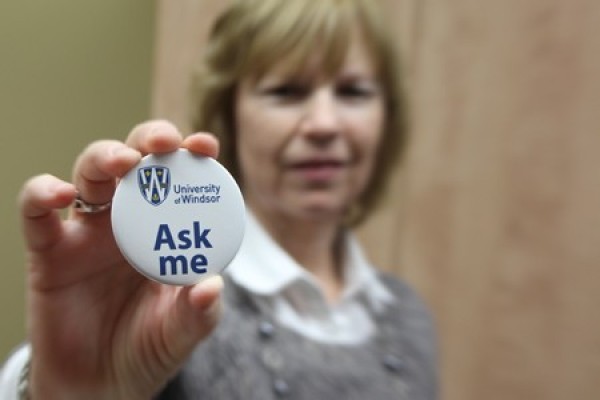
column 321, row 120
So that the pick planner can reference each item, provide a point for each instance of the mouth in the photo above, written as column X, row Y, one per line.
column 321, row 171
column 318, row 164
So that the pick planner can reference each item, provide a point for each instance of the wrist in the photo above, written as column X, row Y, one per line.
column 29, row 387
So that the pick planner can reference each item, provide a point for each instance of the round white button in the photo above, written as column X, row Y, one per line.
column 178, row 217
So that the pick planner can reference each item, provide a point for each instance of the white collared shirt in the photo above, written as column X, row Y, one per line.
column 288, row 292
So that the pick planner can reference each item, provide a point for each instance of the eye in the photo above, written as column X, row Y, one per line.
column 356, row 91
column 287, row 91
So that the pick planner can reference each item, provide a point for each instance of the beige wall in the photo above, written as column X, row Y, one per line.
column 70, row 72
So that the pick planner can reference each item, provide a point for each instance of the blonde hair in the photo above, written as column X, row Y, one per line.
column 254, row 35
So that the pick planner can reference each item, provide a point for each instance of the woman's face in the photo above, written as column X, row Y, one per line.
column 307, row 143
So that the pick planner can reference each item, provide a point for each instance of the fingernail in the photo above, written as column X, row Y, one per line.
column 120, row 151
column 213, row 283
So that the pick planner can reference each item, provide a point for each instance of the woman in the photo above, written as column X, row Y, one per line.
column 304, row 97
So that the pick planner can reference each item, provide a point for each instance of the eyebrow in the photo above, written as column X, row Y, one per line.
column 359, row 77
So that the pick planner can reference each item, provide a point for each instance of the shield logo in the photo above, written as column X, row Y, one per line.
column 154, row 183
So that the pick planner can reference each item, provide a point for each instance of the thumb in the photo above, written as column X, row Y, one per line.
column 196, row 313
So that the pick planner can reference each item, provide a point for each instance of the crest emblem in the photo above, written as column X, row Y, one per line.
column 154, row 183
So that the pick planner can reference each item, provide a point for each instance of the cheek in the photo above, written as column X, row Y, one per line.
column 258, row 146
column 366, row 144
column 368, row 134
column 253, row 155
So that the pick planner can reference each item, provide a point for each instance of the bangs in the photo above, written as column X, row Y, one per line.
column 291, row 32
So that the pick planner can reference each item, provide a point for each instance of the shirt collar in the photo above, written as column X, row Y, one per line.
column 264, row 268
column 361, row 277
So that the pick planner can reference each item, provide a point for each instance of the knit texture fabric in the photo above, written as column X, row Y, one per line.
column 250, row 357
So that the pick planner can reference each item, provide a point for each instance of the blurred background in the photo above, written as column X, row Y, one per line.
column 70, row 72
column 494, row 216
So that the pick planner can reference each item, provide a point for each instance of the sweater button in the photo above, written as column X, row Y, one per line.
column 393, row 363
column 281, row 387
column 266, row 329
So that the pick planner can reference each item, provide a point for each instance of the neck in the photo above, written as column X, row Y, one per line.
column 315, row 245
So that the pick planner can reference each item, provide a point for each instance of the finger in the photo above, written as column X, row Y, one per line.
column 202, row 143
column 38, row 201
column 97, row 168
column 157, row 136
column 196, row 313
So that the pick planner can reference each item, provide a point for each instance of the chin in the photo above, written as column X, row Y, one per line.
column 326, row 206
column 322, row 211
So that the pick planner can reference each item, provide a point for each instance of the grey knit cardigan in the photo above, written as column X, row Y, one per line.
column 250, row 357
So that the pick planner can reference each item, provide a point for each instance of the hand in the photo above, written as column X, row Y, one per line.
column 98, row 329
